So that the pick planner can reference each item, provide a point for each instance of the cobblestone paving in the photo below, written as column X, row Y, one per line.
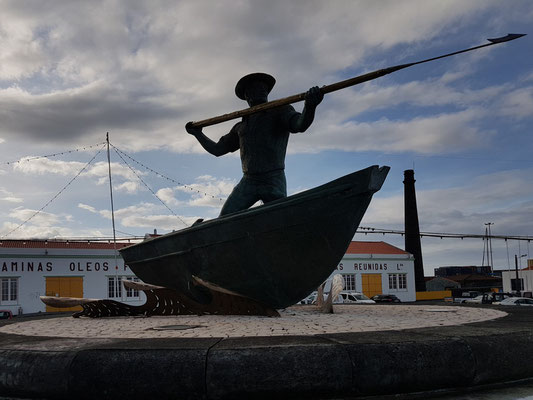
column 297, row 320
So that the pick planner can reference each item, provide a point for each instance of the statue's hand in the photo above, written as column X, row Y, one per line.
column 313, row 97
column 192, row 130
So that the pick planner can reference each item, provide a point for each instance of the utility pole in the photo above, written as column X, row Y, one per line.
column 489, row 247
column 518, row 285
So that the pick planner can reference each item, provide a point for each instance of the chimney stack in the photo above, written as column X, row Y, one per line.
column 412, row 229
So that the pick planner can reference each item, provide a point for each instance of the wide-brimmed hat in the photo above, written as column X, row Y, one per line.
column 256, row 76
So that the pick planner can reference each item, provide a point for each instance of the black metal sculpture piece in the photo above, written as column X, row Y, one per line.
column 163, row 301
column 262, row 139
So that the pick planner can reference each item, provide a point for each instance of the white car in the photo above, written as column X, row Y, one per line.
column 477, row 299
column 516, row 301
column 353, row 298
column 311, row 299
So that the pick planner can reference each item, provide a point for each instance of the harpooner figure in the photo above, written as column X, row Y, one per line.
column 262, row 139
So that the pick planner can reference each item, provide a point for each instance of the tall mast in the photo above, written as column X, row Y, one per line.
column 112, row 206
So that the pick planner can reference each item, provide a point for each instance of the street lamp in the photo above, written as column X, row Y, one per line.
column 518, row 285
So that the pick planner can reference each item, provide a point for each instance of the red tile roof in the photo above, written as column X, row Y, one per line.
column 373, row 248
column 61, row 244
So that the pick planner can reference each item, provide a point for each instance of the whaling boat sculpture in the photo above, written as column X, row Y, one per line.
column 275, row 254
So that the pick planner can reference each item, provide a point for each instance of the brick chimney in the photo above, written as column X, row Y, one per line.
column 412, row 229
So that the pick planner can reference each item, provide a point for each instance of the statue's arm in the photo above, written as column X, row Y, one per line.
column 300, row 123
column 226, row 144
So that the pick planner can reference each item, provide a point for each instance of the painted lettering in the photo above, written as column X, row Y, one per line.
column 49, row 266
column 4, row 267
column 106, row 266
column 40, row 267
column 30, row 266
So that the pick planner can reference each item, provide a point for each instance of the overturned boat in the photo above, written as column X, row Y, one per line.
column 275, row 254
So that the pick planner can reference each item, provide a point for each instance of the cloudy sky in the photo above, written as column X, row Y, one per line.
column 70, row 71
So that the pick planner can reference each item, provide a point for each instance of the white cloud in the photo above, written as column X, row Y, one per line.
column 44, row 166
column 144, row 70
column 41, row 218
column 518, row 103
column 35, row 231
column 167, row 196
column 128, row 187
column 167, row 222
column 87, row 207
column 502, row 198
column 208, row 191
column 450, row 132
column 99, row 170
column 9, row 197
column 21, row 53
column 12, row 199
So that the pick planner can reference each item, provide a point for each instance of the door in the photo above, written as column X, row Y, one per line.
column 64, row 286
column 371, row 284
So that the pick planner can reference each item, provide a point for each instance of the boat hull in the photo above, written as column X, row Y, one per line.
column 276, row 254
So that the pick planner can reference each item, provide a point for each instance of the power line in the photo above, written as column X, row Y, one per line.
column 149, row 188
column 53, row 198
column 52, row 155
column 164, row 176
column 443, row 235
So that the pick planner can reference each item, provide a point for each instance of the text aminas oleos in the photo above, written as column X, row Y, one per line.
column 39, row 266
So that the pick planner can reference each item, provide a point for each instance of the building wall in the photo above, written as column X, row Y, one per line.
column 525, row 275
column 30, row 267
column 384, row 266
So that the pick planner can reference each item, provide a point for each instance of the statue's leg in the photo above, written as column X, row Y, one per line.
column 274, row 187
column 243, row 196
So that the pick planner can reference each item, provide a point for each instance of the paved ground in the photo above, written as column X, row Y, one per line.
column 407, row 351
column 298, row 320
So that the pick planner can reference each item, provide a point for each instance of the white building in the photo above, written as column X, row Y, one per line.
column 33, row 268
column 525, row 277
column 378, row 268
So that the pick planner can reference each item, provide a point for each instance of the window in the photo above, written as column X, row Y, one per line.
column 349, row 281
column 515, row 286
column 398, row 281
column 9, row 290
column 402, row 281
column 114, row 288
column 131, row 293
column 393, row 282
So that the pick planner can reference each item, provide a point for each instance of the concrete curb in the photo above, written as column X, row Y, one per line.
column 310, row 367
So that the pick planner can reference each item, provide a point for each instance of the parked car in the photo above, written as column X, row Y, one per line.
column 476, row 300
column 352, row 298
column 516, row 301
column 311, row 299
column 386, row 298
column 489, row 298
column 462, row 297
column 5, row 314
